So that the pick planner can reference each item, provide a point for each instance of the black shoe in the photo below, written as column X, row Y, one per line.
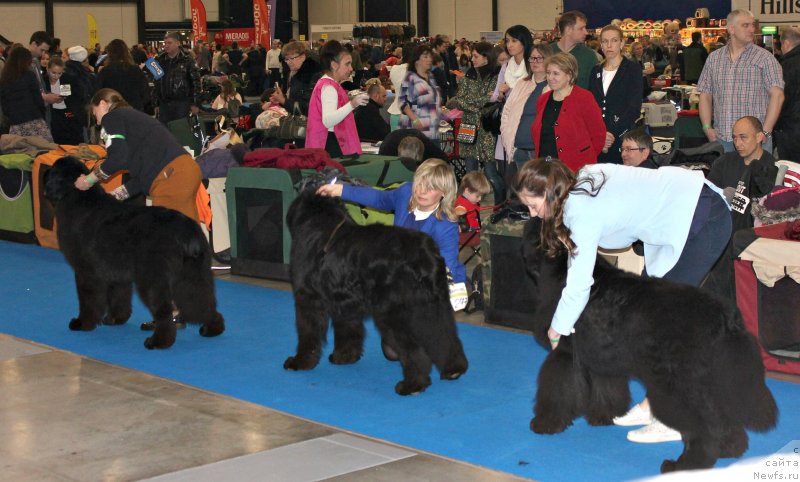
column 151, row 325
column 388, row 352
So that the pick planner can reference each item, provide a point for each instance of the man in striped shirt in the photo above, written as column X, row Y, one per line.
column 738, row 80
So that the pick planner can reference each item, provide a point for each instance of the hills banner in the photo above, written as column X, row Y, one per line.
column 262, row 11
column 199, row 28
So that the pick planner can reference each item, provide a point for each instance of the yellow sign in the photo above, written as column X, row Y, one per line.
column 302, row 38
column 324, row 36
column 92, row 26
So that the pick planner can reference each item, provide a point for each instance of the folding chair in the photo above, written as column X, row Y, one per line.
column 470, row 237
column 470, row 240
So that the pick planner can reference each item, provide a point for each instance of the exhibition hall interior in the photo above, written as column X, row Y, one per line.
column 399, row 240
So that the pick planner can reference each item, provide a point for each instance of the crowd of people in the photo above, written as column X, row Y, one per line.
column 568, row 147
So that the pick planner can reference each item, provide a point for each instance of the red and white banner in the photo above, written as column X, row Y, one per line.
column 242, row 36
column 199, row 28
column 261, row 14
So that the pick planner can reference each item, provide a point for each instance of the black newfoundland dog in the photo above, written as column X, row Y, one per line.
column 702, row 371
column 112, row 245
column 347, row 272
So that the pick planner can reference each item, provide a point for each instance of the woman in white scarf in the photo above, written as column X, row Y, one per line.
column 518, row 45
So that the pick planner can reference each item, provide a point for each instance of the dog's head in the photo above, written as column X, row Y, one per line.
column 309, row 207
column 59, row 180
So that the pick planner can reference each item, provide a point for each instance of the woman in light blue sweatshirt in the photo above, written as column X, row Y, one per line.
column 682, row 220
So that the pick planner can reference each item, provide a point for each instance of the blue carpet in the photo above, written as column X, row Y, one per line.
column 481, row 418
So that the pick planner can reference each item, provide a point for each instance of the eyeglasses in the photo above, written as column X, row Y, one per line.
column 536, row 60
column 631, row 149
column 289, row 59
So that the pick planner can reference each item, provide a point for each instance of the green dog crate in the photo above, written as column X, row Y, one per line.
column 16, row 199
column 258, row 199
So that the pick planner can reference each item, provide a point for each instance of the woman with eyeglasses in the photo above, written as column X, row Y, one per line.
column 519, row 111
column 568, row 125
column 299, row 82
column 616, row 84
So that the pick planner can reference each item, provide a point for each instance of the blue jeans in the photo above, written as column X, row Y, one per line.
column 708, row 238
column 521, row 156
column 490, row 171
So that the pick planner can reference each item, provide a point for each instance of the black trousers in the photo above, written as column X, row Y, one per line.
column 66, row 127
column 788, row 142
column 170, row 110
column 332, row 146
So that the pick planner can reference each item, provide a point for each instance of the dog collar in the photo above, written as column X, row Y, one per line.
column 330, row 238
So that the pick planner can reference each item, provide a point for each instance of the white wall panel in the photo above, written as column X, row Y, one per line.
column 167, row 10
column 116, row 20
column 177, row 10
column 536, row 15
column 20, row 20
column 332, row 12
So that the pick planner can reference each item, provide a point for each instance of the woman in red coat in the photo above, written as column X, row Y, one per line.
column 569, row 125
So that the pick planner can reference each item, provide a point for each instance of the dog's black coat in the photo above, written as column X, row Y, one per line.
column 702, row 371
column 347, row 272
column 112, row 245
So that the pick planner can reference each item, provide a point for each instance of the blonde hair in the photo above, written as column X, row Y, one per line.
column 437, row 174
column 566, row 63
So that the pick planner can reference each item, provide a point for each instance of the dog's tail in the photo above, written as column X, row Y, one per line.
column 738, row 372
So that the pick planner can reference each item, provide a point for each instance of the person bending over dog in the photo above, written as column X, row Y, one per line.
column 158, row 165
column 683, row 223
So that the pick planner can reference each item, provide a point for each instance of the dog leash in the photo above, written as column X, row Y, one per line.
column 330, row 238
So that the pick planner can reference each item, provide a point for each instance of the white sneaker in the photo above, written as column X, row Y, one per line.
column 656, row 432
column 635, row 416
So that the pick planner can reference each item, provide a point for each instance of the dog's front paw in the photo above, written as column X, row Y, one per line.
column 344, row 357
column 406, row 387
column 213, row 328
column 300, row 363
column 154, row 342
column 543, row 426
column 76, row 324
column 108, row 320
column 669, row 466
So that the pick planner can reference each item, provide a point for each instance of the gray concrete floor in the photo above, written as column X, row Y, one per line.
column 64, row 417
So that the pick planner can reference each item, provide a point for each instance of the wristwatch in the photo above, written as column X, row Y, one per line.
column 767, row 134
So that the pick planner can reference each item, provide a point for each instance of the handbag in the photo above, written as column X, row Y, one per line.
column 467, row 133
column 491, row 113
column 293, row 126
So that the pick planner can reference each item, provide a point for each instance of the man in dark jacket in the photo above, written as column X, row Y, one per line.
column 692, row 58
column 787, row 130
column 441, row 46
column 177, row 92
column 370, row 124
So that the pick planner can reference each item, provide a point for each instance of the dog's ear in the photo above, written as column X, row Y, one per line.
column 531, row 249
